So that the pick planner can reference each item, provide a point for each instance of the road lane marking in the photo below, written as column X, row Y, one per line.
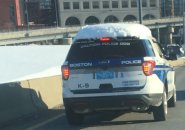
column 45, row 122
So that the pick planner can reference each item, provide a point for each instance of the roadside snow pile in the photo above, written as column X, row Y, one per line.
column 28, row 62
column 113, row 30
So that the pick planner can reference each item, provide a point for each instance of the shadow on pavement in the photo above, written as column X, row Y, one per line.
column 181, row 95
column 99, row 119
column 18, row 102
column 111, row 123
column 27, row 122
column 107, row 119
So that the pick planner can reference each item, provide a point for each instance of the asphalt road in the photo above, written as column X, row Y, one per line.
column 56, row 119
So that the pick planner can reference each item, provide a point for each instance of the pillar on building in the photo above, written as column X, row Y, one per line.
column 170, row 35
column 164, row 35
column 81, row 5
column 18, row 13
column 68, row 41
column 65, row 41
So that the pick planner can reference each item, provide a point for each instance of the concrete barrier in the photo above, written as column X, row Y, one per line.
column 20, row 99
column 30, row 80
column 48, row 89
column 15, row 101
column 178, row 62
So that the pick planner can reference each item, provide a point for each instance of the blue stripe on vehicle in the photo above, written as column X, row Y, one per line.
column 160, row 74
column 162, row 66
column 161, row 71
column 94, row 63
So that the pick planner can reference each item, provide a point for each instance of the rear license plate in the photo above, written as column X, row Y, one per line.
column 104, row 75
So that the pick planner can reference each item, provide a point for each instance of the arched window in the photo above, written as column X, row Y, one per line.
column 72, row 21
column 148, row 16
column 92, row 20
column 111, row 19
column 130, row 18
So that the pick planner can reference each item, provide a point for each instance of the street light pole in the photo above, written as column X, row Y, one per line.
column 140, row 11
column 56, row 12
column 183, row 28
column 27, row 15
column 164, row 8
column 183, row 13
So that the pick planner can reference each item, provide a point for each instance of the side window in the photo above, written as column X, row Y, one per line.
column 157, row 47
column 149, row 48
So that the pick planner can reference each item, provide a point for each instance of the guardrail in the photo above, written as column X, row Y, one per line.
column 58, row 33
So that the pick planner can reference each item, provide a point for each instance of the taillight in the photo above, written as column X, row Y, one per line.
column 65, row 72
column 148, row 67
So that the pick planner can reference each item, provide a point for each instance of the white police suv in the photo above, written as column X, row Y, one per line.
column 116, row 67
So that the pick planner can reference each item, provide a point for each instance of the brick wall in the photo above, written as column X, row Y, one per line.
column 5, row 18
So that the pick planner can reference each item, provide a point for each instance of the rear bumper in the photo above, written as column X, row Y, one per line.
column 130, row 102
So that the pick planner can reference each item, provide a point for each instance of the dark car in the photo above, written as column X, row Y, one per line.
column 174, row 50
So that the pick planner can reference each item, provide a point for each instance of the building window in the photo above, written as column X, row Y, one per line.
column 86, row 5
column 44, row 4
column 96, row 4
column 76, row 5
column 124, row 3
column 111, row 19
column 72, row 21
column 144, row 3
column 92, row 20
column 66, row 5
column 114, row 4
column 106, row 4
column 152, row 3
column 133, row 3
column 130, row 18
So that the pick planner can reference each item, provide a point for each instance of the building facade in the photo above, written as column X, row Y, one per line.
column 167, row 8
column 21, row 13
column 170, row 8
column 43, row 12
column 24, row 14
column 179, row 7
column 10, row 14
column 82, row 12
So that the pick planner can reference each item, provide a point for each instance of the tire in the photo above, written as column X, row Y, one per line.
column 74, row 118
column 172, row 100
column 160, row 112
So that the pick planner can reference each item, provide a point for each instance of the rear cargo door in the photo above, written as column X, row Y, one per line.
column 109, row 66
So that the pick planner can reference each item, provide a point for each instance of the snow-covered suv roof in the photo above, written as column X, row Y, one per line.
column 113, row 30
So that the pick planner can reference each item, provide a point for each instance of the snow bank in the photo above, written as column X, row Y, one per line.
column 113, row 30
column 29, row 62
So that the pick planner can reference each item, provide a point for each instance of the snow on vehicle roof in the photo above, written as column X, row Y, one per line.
column 113, row 30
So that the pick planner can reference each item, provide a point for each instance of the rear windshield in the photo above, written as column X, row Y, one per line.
column 107, row 50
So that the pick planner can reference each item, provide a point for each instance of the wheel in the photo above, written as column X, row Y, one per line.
column 73, row 118
column 160, row 112
column 172, row 100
